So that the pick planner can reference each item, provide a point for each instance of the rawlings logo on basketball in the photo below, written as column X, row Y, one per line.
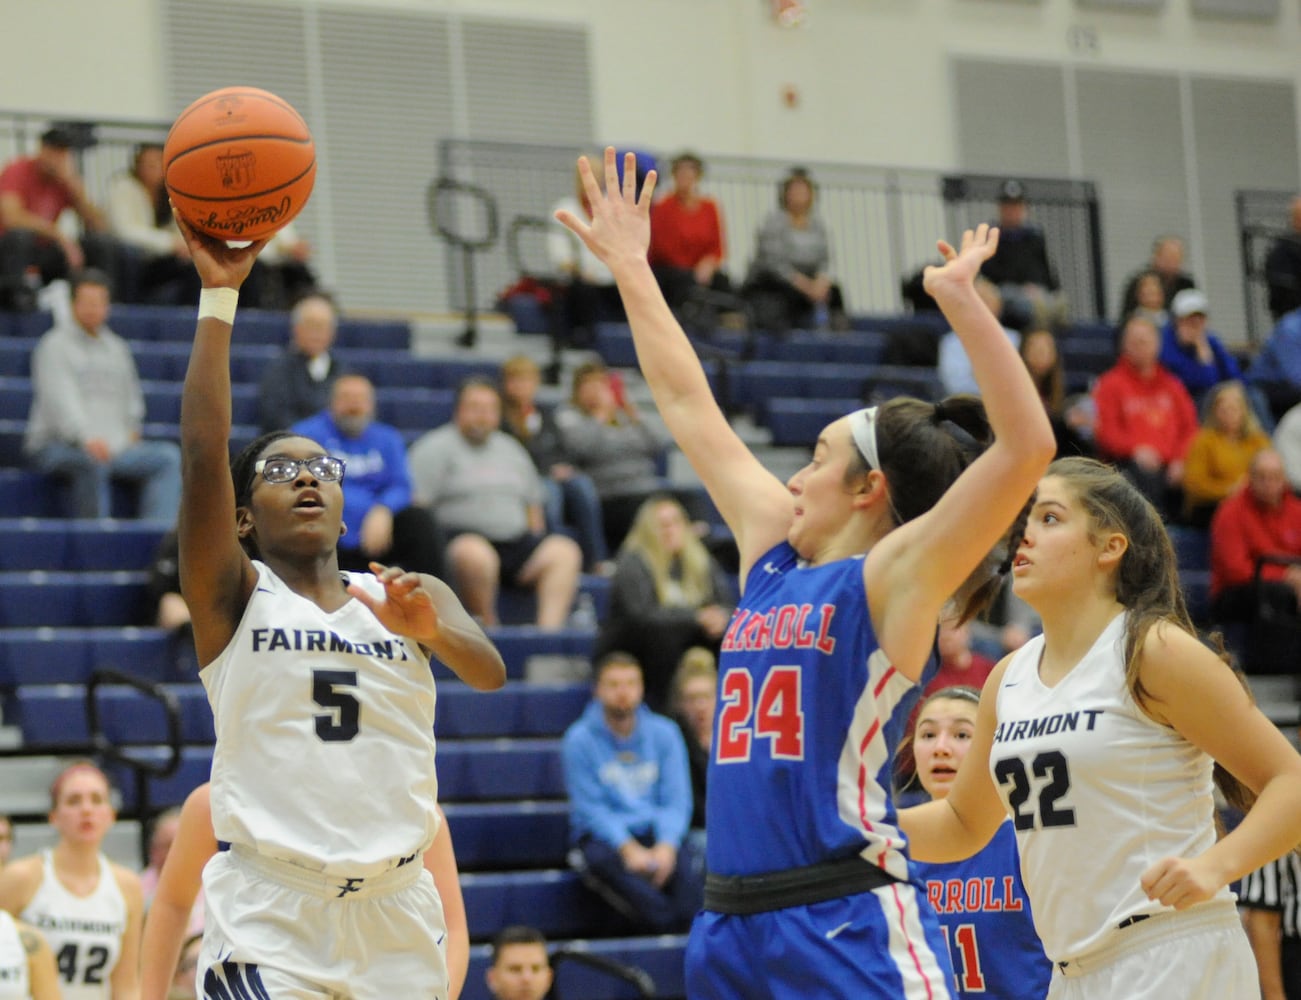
column 236, row 171
column 235, row 222
column 229, row 111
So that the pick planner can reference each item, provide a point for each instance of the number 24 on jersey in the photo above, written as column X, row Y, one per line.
column 775, row 715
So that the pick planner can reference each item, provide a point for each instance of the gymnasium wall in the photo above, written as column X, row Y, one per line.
column 977, row 84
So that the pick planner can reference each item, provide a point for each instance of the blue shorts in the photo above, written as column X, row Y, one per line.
column 884, row 944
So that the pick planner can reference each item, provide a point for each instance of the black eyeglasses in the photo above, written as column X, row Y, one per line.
column 326, row 468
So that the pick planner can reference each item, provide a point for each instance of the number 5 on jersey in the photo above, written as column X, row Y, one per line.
column 777, row 715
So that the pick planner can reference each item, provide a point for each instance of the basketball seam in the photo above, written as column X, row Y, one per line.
column 243, row 197
column 230, row 141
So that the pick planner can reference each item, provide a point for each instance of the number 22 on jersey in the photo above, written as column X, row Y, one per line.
column 777, row 715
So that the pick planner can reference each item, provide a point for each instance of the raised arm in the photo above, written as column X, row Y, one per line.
column 917, row 567
column 753, row 502
column 425, row 609
column 168, row 919
column 216, row 576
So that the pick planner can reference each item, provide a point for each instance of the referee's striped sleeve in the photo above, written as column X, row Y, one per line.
column 1276, row 887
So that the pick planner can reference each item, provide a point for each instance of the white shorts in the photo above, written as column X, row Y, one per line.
column 275, row 931
column 1202, row 954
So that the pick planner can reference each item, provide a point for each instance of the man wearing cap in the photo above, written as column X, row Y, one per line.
column 1190, row 350
column 34, row 192
column 1020, row 268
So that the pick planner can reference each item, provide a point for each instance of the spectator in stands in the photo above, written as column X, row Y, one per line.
column 6, row 839
column 1270, row 901
column 954, row 367
column 668, row 595
column 1167, row 262
column 1220, row 452
column 172, row 613
column 185, row 984
column 630, row 804
column 89, row 908
column 1044, row 362
column 1276, row 370
column 34, row 192
column 1151, row 300
column 1021, row 268
column 1262, row 518
column 688, row 248
column 486, row 497
column 297, row 384
column 88, row 410
column 161, row 837
column 788, row 284
column 521, row 967
column 1283, row 267
column 588, row 296
column 283, row 272
column 695, row 684
column 140, row 216
column 571, row 497
column 1191, row 351
column 381, row 524
column 1146, row 419
column 604, row 435
column 1287, row 441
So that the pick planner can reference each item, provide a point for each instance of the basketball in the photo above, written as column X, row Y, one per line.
column 239, row 163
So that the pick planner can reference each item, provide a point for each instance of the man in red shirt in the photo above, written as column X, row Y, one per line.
column 34, row 192
column 687, row 246
column 1262, row 518
column 1146, row 419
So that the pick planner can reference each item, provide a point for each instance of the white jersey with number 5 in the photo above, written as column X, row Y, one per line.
column 325, row 734
column 13, row 961
column 1097, row 791
column 84, row 932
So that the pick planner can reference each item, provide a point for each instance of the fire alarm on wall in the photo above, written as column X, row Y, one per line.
column 788, row 13
column 790, row 96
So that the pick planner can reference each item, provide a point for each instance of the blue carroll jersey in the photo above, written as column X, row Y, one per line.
column 809, row 715
column 985, row 915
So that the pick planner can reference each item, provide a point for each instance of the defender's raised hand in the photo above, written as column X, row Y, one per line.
column 620, row 226
column 960, row 267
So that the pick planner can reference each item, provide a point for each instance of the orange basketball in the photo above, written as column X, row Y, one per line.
column 239, row 163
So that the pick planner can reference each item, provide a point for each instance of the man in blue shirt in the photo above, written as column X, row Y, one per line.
column 1191, row 351
column 630, row 804
column 377, row 513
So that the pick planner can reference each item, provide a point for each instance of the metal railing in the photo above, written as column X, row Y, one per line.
column 883, row 221
column 1261, row 218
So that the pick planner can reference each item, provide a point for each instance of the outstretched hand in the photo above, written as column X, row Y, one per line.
column 406, row 607
column 219, row 266
column 960, row 267
column 620, row 226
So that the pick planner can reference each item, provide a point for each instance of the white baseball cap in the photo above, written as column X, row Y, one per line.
column 1189, row 302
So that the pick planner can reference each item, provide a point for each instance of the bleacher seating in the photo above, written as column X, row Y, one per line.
column 74, row 596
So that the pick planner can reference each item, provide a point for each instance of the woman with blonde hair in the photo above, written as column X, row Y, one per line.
column 668, row 595
column 692, row 703
column 1220, row 452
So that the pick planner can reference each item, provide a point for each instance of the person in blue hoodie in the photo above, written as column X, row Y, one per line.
column 630, row 804
column 1190, row 351
column 381, row 524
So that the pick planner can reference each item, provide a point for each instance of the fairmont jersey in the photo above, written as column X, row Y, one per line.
column 14, row 980
column 809, row 714
column 1098, row 792
column 325, row 735
column 84, row 932
column 985, row 915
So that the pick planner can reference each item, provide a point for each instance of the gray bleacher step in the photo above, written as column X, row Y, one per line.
column 11, row 737
column 121, row 844
column 25, row 783
column 496, row 337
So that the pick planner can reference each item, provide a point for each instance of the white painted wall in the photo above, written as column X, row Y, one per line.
column 872, row 75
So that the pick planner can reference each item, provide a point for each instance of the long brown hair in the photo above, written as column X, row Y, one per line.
column 694, row 564
column 1147, row 579
column 1051, row 385
column 923, row 448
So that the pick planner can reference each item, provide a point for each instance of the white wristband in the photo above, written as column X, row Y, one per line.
column 218, row 303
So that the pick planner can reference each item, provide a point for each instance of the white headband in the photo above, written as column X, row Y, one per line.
column 862, row 424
